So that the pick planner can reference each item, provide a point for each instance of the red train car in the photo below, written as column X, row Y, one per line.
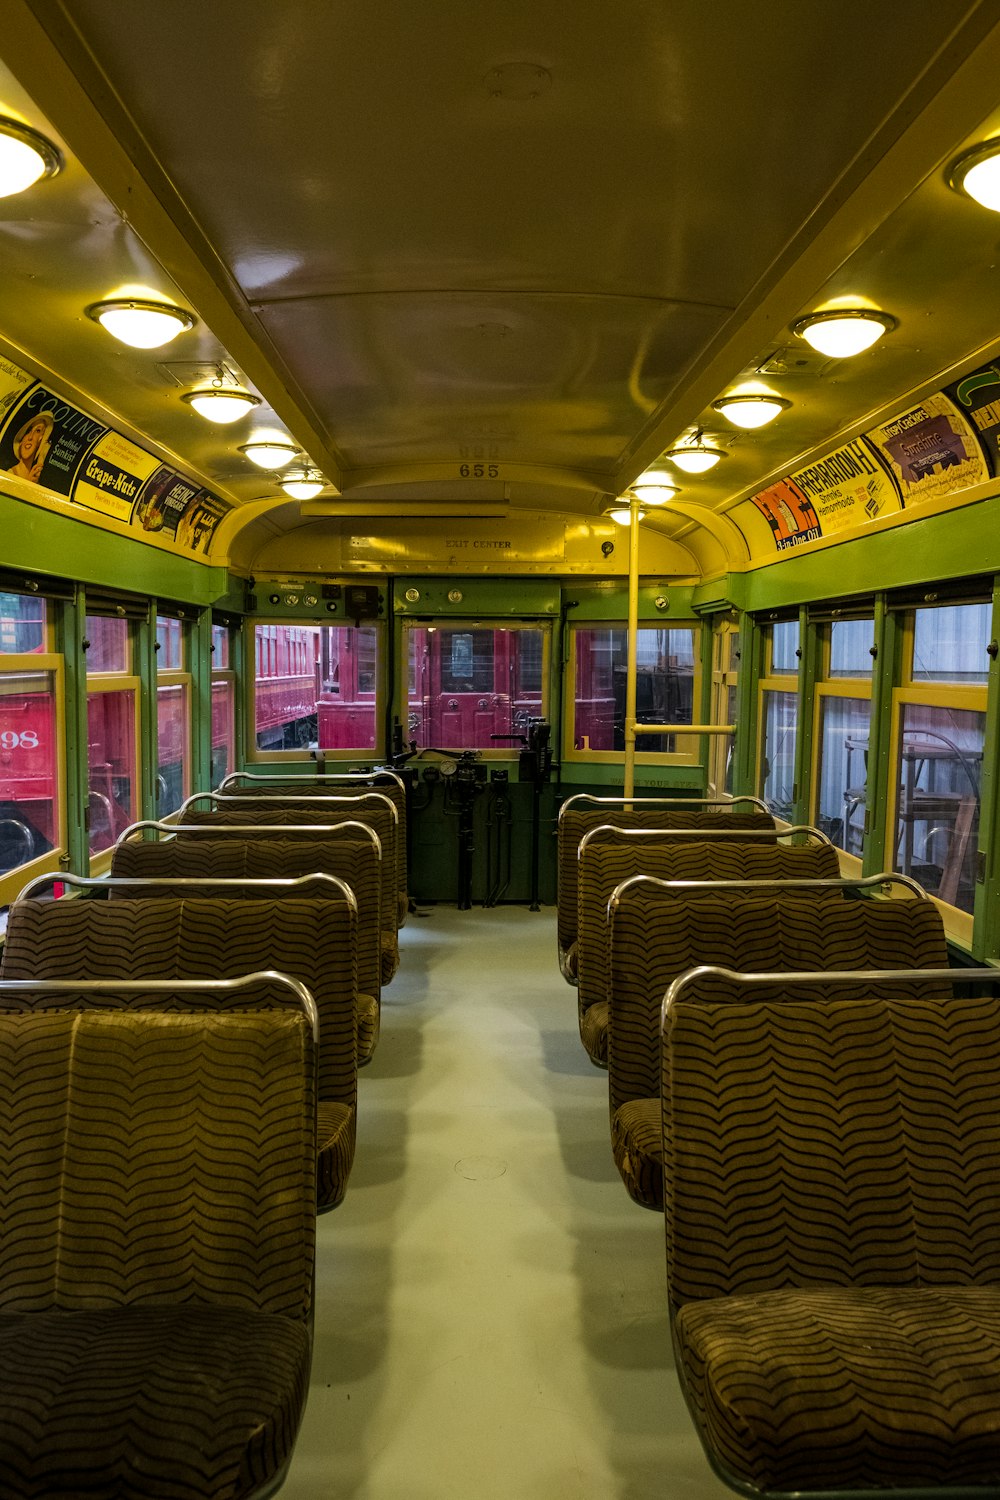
column 28, row 770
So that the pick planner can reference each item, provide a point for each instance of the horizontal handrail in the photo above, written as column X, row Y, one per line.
column 645, row 728
column 319, row 777
column 168, row 987
column 117, row 882
column 722, row 835
column 799, row 882
column 827, row 977
column 336, row 829
column 308, row 801
column 593, row 800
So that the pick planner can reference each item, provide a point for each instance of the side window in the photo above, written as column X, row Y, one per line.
column 665, row 689
column 112, row 731
column 843, row 720
column 317, row 687
column 779, row 713
column 939, row 729
column 173, row 715
column 223, row 704
column 31, row 795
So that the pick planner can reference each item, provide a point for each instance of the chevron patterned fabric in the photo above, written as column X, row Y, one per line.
column 156, row 1343
column 208, row 938
column 604, row 865
column 389, row 787
column 658, row 936
column 354, row 861
column 833, row 1237
column 574, row 823
column 378, row 818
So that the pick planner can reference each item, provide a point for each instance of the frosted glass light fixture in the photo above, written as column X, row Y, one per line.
column 844, row 332
column 25, row 157
column 141, row 324
column 977, row 173
column 654, row 494
column 269, row 453
column 302, row 484
column 695, row 457
column 221, row 403
column 622, row 514
column 752, row 410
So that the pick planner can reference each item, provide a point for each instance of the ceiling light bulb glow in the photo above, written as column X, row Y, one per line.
column 750, row 412
column 302, row 485
column 841, row 334
column 25, row 157
column 694, row 458
column 269, row 455
column 654, row 494
column 141, row 325
column 977, row 173
column 221, row 404
column 622, row 514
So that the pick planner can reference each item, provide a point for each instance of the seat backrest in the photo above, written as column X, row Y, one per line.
column 152, row 1159
column 199, row 938
column 389, row 783
column 355, row 861
column 604, row 865
column 830, row 1143
column 379, row 818
column 653, row 941
column 575, row 822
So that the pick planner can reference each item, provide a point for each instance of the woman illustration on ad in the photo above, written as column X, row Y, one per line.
column 32, row 442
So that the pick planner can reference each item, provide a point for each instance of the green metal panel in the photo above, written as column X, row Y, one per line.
column 879, row 843
column 950, row 545
column 608, row 600
column 751, row 665
column 986, row 929
column 200, row 649
column 44, row 541
column 491, row 598
column 145, row 663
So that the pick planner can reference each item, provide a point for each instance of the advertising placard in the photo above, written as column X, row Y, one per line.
column 931, row 449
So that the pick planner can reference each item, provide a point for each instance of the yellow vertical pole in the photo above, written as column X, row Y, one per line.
column 633, row 632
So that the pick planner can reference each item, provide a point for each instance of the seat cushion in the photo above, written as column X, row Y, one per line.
column 637, row 1145
column 388, row 956
column 335, row 1133
column 152, row 1402
column 369, row 1024
column 847, row 1387
column 567, row 962
column 594, row 1032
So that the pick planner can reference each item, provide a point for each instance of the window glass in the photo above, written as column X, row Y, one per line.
column 474, row 687
column 784, row 644
column 937, row 810
column 220, row 647
column 108, row 649
column 315, row 687
column 949, row 643
column 170, row 644
column 29, row 823
column 111, row 765
column 22, row 623
column 664, row 685
column 223, row 728
column 172, row 713
column 778, row 752
column 851, row 643
column 843, row 770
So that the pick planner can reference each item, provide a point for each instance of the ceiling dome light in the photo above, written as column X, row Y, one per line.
column 221, row 403
column 25, row 157
column 844, row 331
column 751, row 411
column 622, row 514
column 695, row 457
column 142, row 325
column 302, row 484
column 654, row 494
column 268, row 454
column 977, row 173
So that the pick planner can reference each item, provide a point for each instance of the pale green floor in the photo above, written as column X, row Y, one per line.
column 490, row 1318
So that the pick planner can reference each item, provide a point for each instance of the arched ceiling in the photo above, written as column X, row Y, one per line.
column 500, row 256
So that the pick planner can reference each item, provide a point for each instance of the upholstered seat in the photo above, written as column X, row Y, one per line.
column 658, row 935
column 154, row 1343
column 606, row 861
column 382, row 819
column 833, row 1255
column 574, row 822
column 354, row 860
column 205, row 937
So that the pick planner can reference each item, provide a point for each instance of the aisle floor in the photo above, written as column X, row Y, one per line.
column 490, row 1318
